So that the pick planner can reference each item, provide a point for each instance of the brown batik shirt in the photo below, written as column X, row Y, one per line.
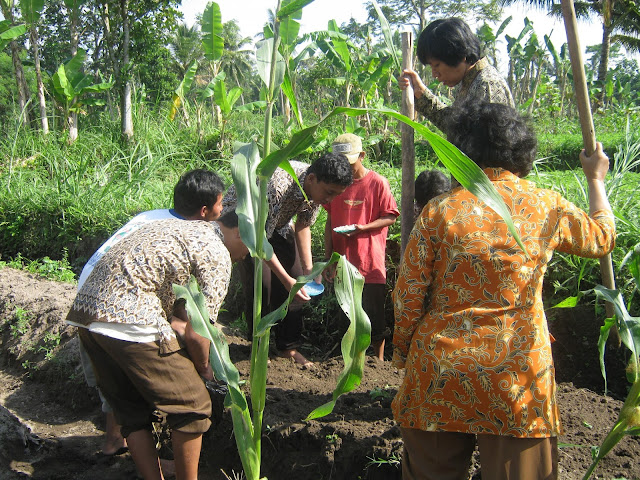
column 285, row 200
column 133, row 282
column 482, row 83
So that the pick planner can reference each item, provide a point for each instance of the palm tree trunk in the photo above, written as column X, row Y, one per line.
column 604, row 62
column 23, row 91
column 535, row 87
column 126, row 110
column 44, row 122
column 72, row 121
column 110, row 48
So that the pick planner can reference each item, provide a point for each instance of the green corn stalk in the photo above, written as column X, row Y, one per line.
column 628, row 422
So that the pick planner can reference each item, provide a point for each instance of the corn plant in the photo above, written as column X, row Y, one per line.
column 251, row 174
column 628, row 422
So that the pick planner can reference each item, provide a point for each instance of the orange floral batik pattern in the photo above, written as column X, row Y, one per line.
column 470, row 324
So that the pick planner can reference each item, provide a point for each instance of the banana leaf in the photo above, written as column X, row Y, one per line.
column 212, row 41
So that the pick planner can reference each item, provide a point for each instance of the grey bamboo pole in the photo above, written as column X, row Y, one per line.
column 408, row 149
column 586, row 125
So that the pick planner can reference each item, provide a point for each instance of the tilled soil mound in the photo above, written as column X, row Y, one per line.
column 51, row 424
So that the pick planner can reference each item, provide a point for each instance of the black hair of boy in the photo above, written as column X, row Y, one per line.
column 196, row 188
column 229, row 219
column 332, row 168
column 449, row 40
column 494, row 135
column 430, row 184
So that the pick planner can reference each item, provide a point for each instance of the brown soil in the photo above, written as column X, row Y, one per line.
column 51, row 424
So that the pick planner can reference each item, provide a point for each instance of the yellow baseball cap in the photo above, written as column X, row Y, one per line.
column 349, row 145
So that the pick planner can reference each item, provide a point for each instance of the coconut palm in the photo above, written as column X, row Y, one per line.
column 186, row 46
column 620, row 23
column 236, row 61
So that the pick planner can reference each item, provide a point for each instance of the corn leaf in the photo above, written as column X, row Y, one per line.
column 224, row 370
column 628, row 326
column 275, row 316
column 243, row 171
column 348, row 286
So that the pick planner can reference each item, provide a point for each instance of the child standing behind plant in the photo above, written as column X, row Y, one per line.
column 429, row 184
column 476, row 350
column 369, row 206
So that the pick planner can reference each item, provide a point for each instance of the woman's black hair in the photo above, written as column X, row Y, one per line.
column 494, row 135
column 449, row 40
column 195, row 189
column 429, row 184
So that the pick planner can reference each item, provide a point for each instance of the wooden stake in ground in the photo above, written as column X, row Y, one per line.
column 586, row 125
column 408, row 149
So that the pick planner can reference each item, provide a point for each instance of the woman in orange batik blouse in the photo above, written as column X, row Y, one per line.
column 470, row 324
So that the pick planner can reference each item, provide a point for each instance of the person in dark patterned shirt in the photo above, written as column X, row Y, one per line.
column 145, row 354
column 325, row 178
column 453, row 52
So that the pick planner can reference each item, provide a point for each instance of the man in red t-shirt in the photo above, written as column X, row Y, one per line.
column 367, row 206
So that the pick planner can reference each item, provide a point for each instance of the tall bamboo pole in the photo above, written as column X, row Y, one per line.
column 408, row 149
column 586, row 125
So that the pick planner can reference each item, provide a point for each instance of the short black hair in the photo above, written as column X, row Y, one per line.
column 494, row 135
column 332, row 168
column 429, row 184
column 449, row 40
column 195, row 189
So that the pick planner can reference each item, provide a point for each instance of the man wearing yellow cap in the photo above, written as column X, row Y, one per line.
column 367, row 207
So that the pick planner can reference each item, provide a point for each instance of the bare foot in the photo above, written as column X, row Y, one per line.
column 297, row 357
column 114, row 443
column 378, row 350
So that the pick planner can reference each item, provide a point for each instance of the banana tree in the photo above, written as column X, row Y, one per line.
column 71, row 87
column 516, row 52
column 289, row 42
column 213, row 44
column 225, row 100
column 31, row 10
column 180, row 93
column 73, row 12
column 562, row 65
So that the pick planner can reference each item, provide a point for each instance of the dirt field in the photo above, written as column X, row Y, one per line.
column 51, row 424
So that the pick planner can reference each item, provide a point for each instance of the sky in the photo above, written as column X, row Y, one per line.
column 252, row 14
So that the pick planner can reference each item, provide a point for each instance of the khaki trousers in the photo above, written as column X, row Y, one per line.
column 447, row 456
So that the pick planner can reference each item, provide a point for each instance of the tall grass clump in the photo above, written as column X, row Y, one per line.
column 58, row 196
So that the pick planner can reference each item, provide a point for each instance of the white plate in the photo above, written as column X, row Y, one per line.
column 312, row 288
column 345, row 229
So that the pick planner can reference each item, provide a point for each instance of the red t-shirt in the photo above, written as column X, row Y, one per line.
column 364, row 201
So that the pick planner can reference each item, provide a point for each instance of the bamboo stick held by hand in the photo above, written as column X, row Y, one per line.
column 586, row 125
